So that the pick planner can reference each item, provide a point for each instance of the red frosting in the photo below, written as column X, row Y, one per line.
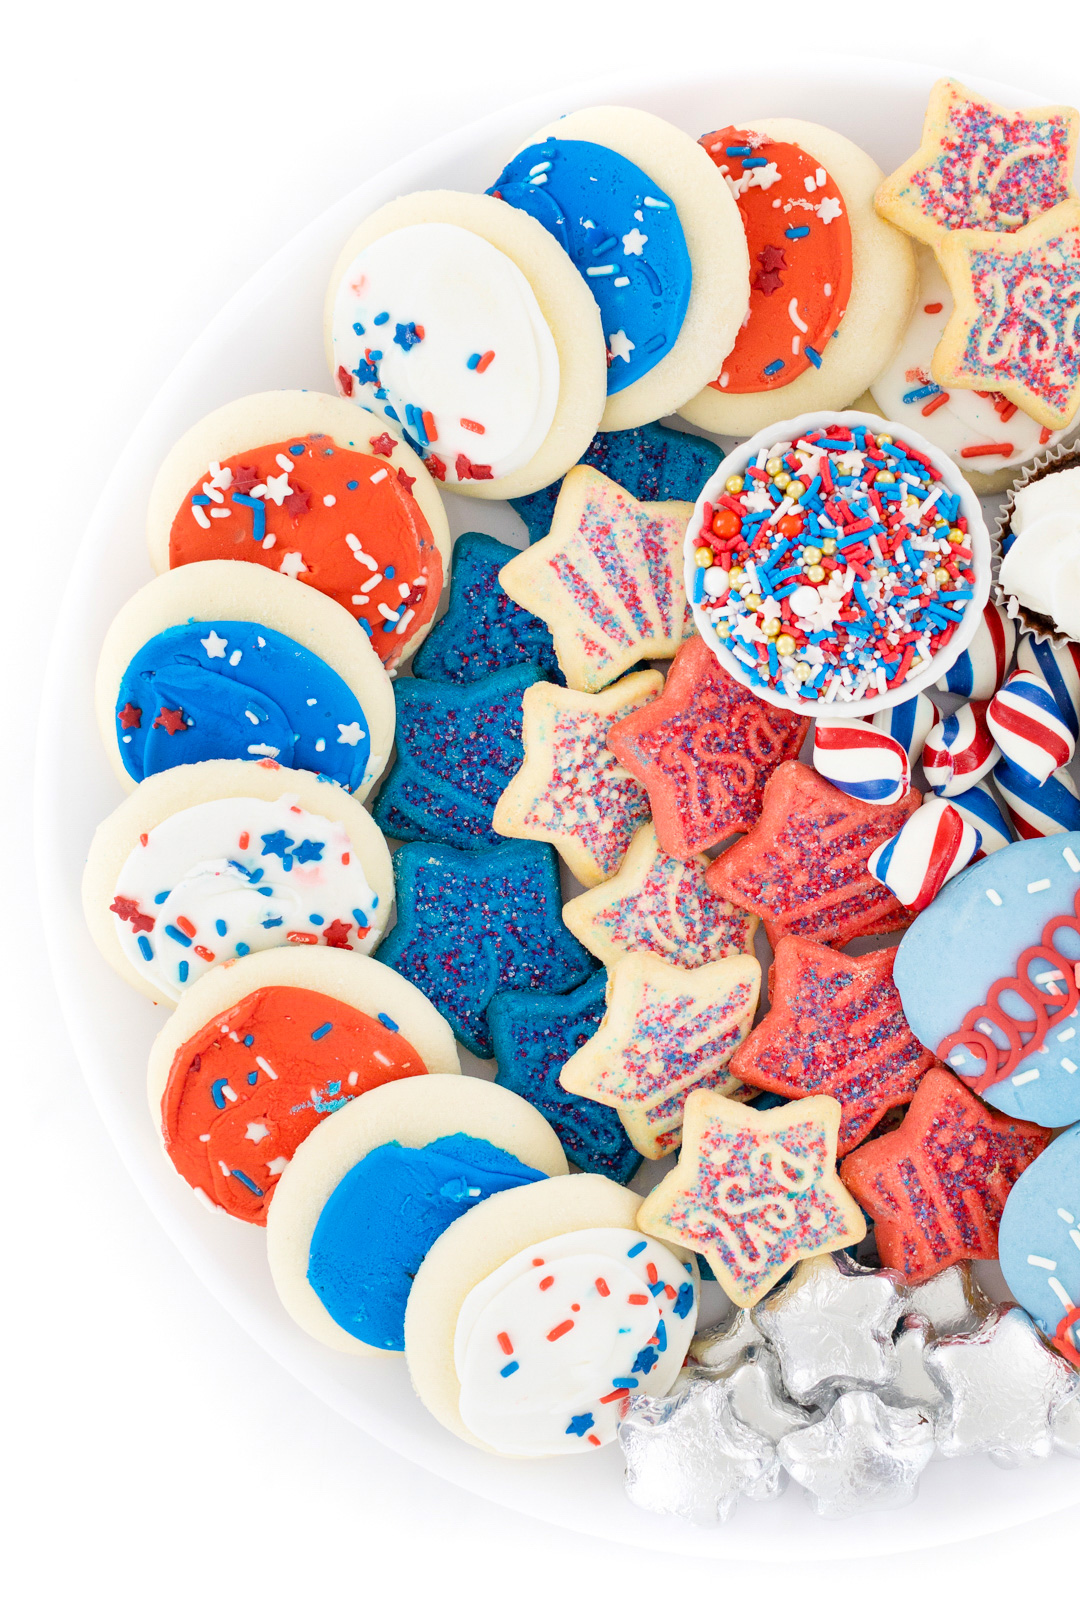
column 235, row 1110
column 386, row 528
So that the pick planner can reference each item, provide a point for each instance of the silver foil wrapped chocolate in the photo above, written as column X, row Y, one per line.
column 831, row 1326
column 862, row 1456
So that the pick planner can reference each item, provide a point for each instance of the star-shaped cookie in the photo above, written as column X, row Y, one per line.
column 607, row 581
column 704, row 751
column 936, row 1186
column 667, row 1031
column 754, row 1192
column 658, row 903
column 482, row 630
column 571, row 791
column 835, row 1025
column 802, row 869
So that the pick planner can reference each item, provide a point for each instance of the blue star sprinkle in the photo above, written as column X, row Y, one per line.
column 406, row 336
column 581, row 1424
column 308, row 851
column 278, row 843
column 482, row 629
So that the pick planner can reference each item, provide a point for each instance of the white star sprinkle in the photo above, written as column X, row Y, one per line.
column 215, row 645
column 828, row 209
column 275, row 489
column 633, row 241
column 620, row 346
column 292, row 564
column 350, row 734
column 256, row 1131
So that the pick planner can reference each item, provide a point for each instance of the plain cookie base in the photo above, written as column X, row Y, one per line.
column 715, row 239
column 213, row 591
column 163, row 795
column 884, row 283
column 981, row 483
column 565, row 302
column 260, row 419
column 412, row 1112
column 474, row 1247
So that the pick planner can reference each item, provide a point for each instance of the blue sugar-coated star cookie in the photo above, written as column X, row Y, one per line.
column 533, row 1035
column 654, row 463
column 482, row 630
column 471, row 925
column 457, row 748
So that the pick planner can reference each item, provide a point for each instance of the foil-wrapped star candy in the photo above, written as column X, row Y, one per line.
column 912, row 1385
column 952, row 1302
column 864, row 1455
column 721, row 1348
column 831, row 1325
column 758, row 1398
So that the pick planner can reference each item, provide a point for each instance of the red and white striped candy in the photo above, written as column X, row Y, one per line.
column 980, row 669
column 960, row 750
column 1029, row 728
column 863, row 762
column 910, row 723
column 1039, row 810
column 1060, row 669
column 934, row 844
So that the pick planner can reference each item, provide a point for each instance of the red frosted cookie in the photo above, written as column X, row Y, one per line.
column 803, row 870
column 704, row 751
column 835, row 1025
column 936, row 1187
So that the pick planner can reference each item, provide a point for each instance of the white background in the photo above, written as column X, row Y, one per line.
column 156, row 1462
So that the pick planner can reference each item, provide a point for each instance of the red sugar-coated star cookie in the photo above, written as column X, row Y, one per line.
column 704, row 751
column 803, row 870
column 936, row 1187
column 834, row 1026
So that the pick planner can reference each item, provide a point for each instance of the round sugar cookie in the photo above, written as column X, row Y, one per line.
column 219, row 660
column 464, row 326
column 475, row 1322
column 264, row 1047
column 297, row 482
column 654, row 230
column 882, row 278
column 225, row 858
column 327, row 1231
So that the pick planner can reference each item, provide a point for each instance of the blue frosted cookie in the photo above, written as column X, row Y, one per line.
column 471, row 925
column 482, row 630
column 457, row 749
column 1039, row 1237
column 653, row 463
column 534, row 1034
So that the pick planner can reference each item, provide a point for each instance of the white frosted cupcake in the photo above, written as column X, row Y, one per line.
column 1037, row 549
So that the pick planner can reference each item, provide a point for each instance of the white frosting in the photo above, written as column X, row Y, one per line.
column 1042, row 566
column 967, row 420
column 469, row 299
column 194, row 866
column 557, row 1380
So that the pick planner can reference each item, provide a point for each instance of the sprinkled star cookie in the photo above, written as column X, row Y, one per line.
column 607, row 581
column 835, row 1026
column 457, row 748
column 802, row 869
column 482, row 630
column 704, row 751
column 658, row 903
column 571, row 791
column 935, row 1187
column 471, row 925
column 981, row 167
column 667, row 1031
column 755, row 1192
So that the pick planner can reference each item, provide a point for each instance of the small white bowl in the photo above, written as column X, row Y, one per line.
column 948, row 474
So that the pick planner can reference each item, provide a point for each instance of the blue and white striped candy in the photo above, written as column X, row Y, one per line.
column 980, row 669
column 1039, row 809
column 960, row 750
column 909, row 723
column 1060, row 669
column 863, row 762
column 981, row 810
column 1028, row 727
column 933, row 845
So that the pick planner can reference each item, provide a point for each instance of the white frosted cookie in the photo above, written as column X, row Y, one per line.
column 296, row 481
column 225, row 858
column 346, row 1231
column 828, row 264
column 219, row 660
column 464, row 325
column 533, row 1311
column 653, row 228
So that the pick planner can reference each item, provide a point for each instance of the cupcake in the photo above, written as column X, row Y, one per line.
column 1037, row 549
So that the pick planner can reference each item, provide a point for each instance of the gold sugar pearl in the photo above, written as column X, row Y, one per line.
column 723, row 631
column 703, row 557
column 785, row 646
column 942, row 576
column 815, row 574
column 735, row 575
column 884, row 438
column 794, row 489
column 828, row 547
column 802, row 673
column 811, row 554
column 782, row 479
column 774, row 466
column 885, row 477
column 753, row 601
column 956, row 537
column 772, row 628
column 734, row 484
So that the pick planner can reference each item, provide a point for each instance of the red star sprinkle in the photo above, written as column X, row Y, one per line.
column 704, row 751
column 298, row 502
column 464, row 468
column 130, row 717
column 384, row 445
column 802, row 869
column 172, row 720
column 405, row 481
column 338, row 934
column 772, row 258
column 128, row 911
column 244, row 479
column 767, row 282
column 835, row 1026
column 936, row 1187
column 436, row 466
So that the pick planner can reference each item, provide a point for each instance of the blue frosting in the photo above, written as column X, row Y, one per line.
column 1040, row 1232
column 623, row 234
column 382, row 1218
column 276, row 700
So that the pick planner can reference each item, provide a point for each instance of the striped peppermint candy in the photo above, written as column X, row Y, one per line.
column 861, row 761
column 981, row 810
column 1039, row 809
column 980, row 669
column 960, row 750
column 933, row 845
column 910, row 723
column 1060, row 669
column 1028, row 727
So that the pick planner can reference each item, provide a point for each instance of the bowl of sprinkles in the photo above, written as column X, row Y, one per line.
column 837, row 563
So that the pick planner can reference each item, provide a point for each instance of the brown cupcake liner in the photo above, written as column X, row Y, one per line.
column 1037, row 625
